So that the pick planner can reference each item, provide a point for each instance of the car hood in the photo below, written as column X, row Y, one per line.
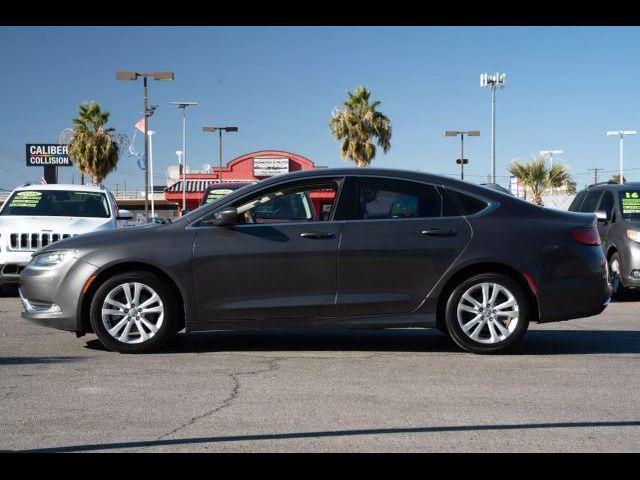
column 36, row 224
column 634, row 223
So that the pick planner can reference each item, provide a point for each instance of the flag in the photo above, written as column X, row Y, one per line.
column 42, row 181
column 140, row 125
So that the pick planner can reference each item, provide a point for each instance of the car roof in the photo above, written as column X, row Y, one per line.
column 63, row 186
column 614, row 186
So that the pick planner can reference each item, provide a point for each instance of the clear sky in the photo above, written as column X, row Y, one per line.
column 566, row 86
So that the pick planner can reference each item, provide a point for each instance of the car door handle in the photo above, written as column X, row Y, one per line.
column 317, row 235
column 439, row 232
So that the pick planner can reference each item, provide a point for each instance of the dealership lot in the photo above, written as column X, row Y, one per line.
column 573, row 386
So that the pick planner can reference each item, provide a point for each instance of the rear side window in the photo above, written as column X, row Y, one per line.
column 380, row 199
column 591, row 202
column 456, row 204
column 577, row 202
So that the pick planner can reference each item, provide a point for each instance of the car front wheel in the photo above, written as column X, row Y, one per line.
column 487, row 313
column 134, row 313
column 614, row 275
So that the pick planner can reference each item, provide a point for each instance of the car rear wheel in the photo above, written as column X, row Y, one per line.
column 487, row 313
column 134, row 313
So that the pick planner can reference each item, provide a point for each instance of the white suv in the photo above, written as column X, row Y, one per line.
column 35, row 216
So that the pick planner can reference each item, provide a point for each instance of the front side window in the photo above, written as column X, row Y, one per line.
column 57, row 203
column 380, row 199
column 630, row 205
column 606, row 204
column 306, row 203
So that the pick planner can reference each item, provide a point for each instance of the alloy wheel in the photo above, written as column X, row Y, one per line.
column 132, row 312
column 488, row 313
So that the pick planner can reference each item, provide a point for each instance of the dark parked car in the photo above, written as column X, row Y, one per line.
column 618, row 211
column 396, row 249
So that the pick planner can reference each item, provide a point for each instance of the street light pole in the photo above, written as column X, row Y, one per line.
column 128, row 75
column 220, row 130
column 184, row 106
column 551, row 153
column 621, row 134
column 493, row 81
column 454, row 133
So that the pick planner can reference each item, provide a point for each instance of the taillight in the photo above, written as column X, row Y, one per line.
column 586, row 236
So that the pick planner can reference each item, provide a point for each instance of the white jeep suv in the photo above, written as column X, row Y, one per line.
column 36, row 215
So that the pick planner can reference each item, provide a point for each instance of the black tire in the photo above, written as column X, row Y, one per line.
column 165, row 332
column 616, row 283
column 455, row 330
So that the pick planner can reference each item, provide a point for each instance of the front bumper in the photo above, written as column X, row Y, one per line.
column 630, row 258
column 52, row 297
column 11, row 265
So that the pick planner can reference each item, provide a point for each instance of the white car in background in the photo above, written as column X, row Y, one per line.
column 36, row 215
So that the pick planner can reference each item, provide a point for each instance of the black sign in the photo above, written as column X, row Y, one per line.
column 48, row 155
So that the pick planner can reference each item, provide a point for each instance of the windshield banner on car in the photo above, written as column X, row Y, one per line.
column 630, row 202
column 218, row 193
column 26, row 199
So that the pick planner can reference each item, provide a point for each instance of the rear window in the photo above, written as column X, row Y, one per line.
column 57, row 203
column 457, row 203
column 577, row 202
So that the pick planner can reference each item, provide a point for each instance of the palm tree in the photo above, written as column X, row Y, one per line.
column 91, row 146
column 356, row 124
column 616, row 178
column 538, row 177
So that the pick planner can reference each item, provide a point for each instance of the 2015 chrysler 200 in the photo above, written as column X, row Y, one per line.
column 345, row 248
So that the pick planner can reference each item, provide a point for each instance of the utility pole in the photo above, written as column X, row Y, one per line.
column 595, row 171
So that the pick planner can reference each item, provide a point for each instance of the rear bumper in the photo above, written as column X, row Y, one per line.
column 575, row 289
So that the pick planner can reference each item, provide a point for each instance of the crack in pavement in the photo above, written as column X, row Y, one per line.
column 272, row 365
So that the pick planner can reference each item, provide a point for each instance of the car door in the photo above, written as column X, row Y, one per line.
column 395, row 247
column 278, row 262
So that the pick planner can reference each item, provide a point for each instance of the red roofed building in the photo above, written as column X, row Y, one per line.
column 251, row 167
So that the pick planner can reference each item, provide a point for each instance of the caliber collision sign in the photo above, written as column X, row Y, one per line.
column 47, row 155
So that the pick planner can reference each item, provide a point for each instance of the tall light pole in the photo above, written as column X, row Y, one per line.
column 493, row 81
column 184, row 105
column 454, row 133
column 621, row 134
column 551, row 153
column 220, row 130
column 125, row 75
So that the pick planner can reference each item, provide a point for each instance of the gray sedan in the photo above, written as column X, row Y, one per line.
column 339, row 247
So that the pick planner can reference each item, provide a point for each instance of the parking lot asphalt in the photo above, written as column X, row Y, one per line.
column 572, row 386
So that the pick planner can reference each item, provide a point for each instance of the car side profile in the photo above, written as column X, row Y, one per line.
column 356, row 248
column 617, row 207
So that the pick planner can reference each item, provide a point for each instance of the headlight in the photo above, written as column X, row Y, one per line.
column 52, row 259
column 634, row 235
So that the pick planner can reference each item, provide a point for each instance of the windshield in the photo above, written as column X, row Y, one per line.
column 630, row 204
column 57, row 203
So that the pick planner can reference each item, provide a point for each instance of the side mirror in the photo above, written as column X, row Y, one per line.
column 601, row 215
column 228, row 216
column 124, row 215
